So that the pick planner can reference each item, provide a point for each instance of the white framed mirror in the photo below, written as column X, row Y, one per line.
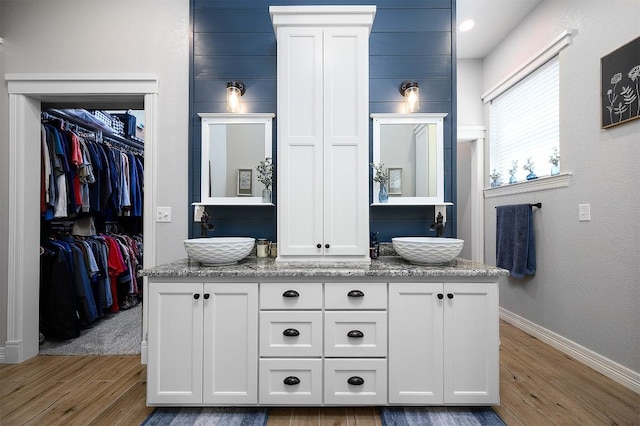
column 233, row 145
column 411, row 148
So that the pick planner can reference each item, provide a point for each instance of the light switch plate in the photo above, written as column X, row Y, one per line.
column 584, row 212
column 197, row 213
column 163, row 214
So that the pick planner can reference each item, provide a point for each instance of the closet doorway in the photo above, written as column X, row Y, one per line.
column 91, row 239
column 27, row 94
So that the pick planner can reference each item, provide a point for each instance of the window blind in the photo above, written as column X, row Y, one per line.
column 525, row 123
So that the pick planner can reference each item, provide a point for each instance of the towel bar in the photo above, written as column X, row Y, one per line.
column 538, row 205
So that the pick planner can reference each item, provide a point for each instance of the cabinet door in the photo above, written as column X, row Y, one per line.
column 230, row 343
column 300, row 138
column 471, row 372
column 346, row 141
column 174, row 368
column 415, row 343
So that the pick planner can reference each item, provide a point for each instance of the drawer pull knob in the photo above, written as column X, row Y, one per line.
column 290, row 293
column 206, row 295
column 440, row 296
column 291, row 332
column 327, row 246
column 355, row 381
column 450, row 295
column 196, row 296
column 319, row 245
column 355, row 334
column 355, row 293
column 291, row 380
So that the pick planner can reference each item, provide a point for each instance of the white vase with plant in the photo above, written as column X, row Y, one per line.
column 265, row 176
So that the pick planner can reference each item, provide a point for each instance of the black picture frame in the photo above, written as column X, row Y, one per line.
column 620, row 85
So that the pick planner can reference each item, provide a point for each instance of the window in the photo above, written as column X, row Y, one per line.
column 525, row 123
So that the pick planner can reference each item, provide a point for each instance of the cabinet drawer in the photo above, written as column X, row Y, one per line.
column 291, row 296
column 290, row 381
column 291, row 333
column 355, row 381
column 355, row 334
column 355, row 296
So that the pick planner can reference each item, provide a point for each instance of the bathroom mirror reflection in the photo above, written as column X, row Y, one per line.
column 233, row 145
column 410, row 146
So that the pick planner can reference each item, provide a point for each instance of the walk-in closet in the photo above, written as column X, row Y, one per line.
column 91, row 226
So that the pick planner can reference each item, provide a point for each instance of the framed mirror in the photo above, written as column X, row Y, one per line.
column 411, row 149
column 233, row 145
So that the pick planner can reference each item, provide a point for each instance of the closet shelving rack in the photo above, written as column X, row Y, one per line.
column 101, row 133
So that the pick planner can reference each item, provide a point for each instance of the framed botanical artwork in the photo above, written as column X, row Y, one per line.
column 245, row 182
column 395, row 181
column 620, row 84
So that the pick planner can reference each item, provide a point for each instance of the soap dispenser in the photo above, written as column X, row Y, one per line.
column 374, row 246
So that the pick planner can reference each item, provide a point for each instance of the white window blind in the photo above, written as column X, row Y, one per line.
column 525, row 123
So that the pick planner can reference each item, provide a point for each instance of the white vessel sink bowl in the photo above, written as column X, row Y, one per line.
column 427, row 250
column 218, row 251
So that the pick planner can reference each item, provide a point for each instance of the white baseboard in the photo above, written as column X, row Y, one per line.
column 609, row 368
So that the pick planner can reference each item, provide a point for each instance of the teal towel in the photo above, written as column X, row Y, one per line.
column 515, row 242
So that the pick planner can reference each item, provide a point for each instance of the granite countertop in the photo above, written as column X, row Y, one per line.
column 384, row 266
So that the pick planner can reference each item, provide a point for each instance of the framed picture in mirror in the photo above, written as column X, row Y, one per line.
column 395, row 181
column 245, row 182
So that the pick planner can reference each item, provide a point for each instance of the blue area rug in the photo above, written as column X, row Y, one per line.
column 440, row 416
column 207, row 416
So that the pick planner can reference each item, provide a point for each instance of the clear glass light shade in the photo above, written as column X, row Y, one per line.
column 234, row 96
column 411, row 99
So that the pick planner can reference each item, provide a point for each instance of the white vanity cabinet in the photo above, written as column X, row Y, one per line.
column 443, row 343
column 203, row 344
column 323, row 131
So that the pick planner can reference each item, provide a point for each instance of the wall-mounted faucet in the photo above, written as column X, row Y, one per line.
column 205, row 226
column 438, row 225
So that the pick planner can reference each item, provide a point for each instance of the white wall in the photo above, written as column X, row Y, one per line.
column 470, row 113
column 586, row 288
column 145, row 36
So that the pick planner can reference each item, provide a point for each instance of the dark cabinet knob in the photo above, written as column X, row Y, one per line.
column 355, row 293
column 291, row 380
column 290, row 293
column 355, row 334
column 355, row 381
column 327, row 246
column 206, row 295
column 450, row 295
column 196, row 296
column 440, row 296
column 319, row 245
column 291, row 332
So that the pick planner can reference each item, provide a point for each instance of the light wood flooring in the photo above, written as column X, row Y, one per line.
column 538, row 386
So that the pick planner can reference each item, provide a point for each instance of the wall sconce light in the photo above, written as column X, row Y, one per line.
column 235, row 90
column 411, row 92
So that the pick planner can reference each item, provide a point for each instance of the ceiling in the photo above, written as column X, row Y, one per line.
column 494, row 20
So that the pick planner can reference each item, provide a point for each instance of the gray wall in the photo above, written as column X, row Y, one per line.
column 586, row 288
column 144, row 36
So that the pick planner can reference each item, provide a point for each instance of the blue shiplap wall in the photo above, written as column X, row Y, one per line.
column 410, row 39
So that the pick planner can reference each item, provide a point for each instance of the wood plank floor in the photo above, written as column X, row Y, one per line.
column 538, row 385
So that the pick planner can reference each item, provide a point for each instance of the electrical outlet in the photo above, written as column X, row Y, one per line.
column 443, row 210
column 163, row 214
column 197, row 213
column 584, row 212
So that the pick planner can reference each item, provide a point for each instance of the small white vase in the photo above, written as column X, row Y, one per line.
column 266, row 195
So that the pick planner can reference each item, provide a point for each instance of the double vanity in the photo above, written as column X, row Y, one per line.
column 263, row 333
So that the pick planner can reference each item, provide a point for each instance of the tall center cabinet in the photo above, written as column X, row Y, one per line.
column 323, row 131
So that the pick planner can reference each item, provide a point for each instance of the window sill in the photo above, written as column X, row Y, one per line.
column 542, row 183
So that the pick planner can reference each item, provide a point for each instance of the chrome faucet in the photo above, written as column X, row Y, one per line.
column 205, row 226
column 438, row 225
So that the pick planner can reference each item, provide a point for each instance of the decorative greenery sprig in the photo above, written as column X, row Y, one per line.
column 555, row 157
column 495, row 175
column 514, row 168
column 382, row 175
column 529, row 166
column 265, row 172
